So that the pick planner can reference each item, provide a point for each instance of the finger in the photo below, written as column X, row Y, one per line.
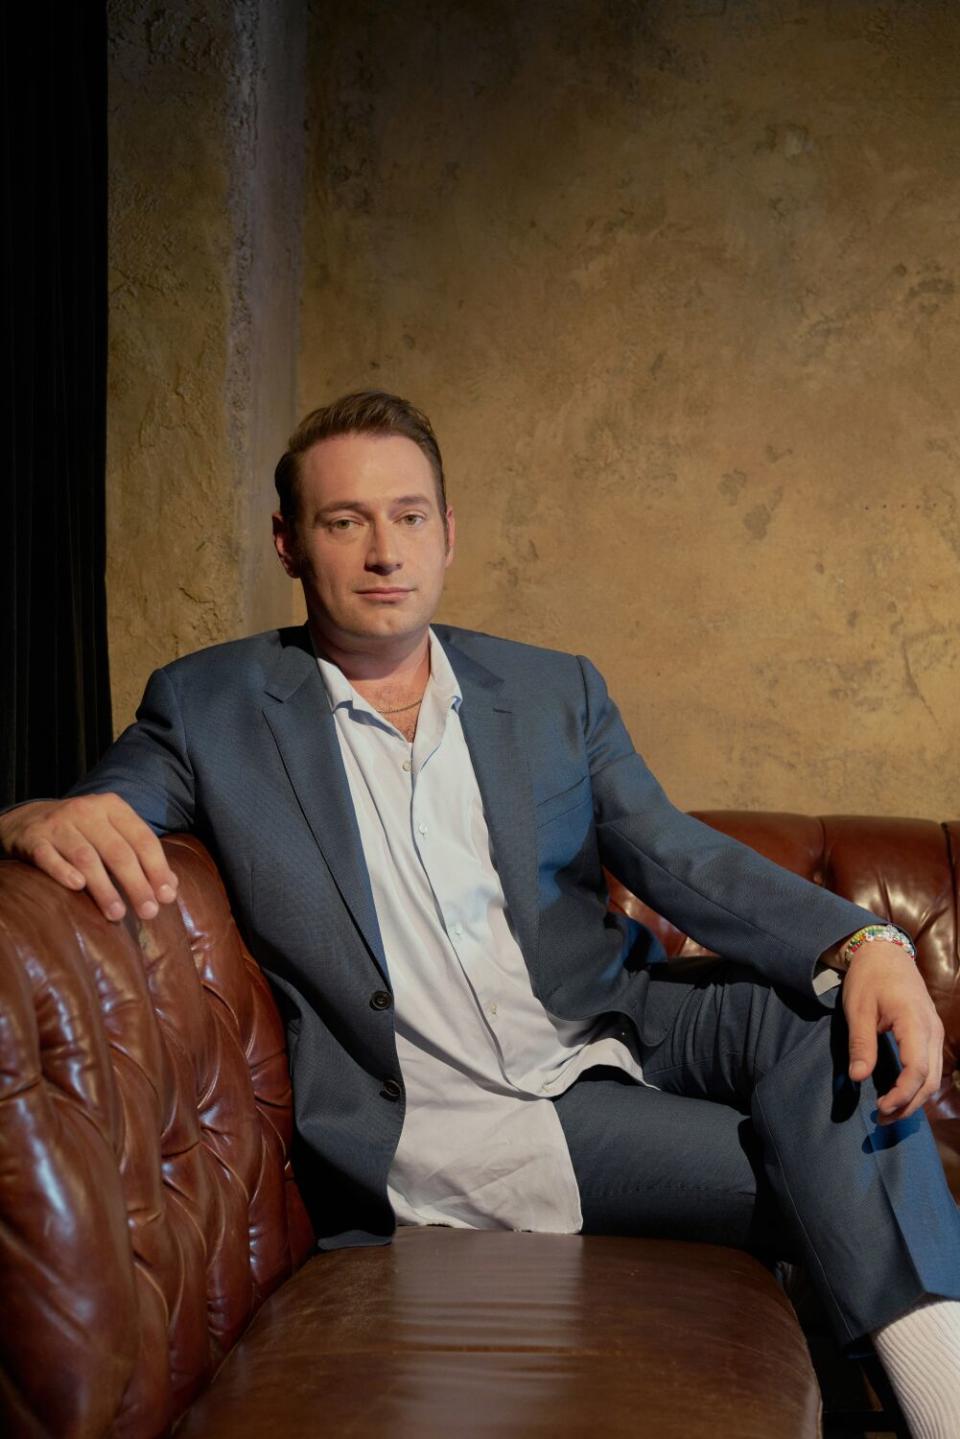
column 934, row 1067
column 149, row 851
column 77, row 850
column 936, row 1057
column 862, row 1043
column 47, row 858
column 906, row 1096
column 119, row 862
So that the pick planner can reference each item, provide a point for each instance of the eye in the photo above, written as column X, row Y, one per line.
column 412, row 520
column 340, row 524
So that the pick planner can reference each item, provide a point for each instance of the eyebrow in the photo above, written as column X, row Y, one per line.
column 364, row 509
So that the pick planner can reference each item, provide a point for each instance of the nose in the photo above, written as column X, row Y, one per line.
column 383, row 556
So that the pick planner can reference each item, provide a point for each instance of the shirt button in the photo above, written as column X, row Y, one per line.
column 422, row 828
column 458, row 930
column 391, row 1089
column 493, row 1009
column 406, row 765
column 380, row 999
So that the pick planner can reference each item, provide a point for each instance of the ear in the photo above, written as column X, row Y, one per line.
column 451, row 536
column 285, row 544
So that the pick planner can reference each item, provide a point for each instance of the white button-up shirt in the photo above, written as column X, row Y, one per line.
column 481, row 1145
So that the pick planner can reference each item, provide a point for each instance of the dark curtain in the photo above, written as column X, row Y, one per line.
column 53, row 653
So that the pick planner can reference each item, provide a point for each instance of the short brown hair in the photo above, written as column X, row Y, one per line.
column 366, row 412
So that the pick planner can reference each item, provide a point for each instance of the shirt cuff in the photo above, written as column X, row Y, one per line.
column 825, row 979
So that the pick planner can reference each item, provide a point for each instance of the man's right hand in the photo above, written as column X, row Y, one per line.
column 93, row 842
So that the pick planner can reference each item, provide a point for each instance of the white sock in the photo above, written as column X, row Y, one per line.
column 921, row 1353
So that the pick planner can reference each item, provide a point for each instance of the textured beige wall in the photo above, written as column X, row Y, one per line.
column 676, row 282
column 206, row 179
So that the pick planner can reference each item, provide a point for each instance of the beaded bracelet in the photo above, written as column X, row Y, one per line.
column 890, row 932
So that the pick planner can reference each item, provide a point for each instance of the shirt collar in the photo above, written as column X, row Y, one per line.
column 442, row 677
column 443, row 682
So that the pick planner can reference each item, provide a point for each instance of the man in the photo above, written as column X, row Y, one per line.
column 413, row 825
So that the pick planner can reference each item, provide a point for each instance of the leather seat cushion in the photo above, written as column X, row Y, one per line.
column 455, row 1331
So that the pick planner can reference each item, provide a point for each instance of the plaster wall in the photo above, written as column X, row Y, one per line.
column 677, row 284
column 206, row 174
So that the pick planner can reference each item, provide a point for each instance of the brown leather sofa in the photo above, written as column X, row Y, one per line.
column 156, row 1264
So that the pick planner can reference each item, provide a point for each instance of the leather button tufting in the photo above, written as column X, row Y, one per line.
column 380, row 999
column 392, row 1089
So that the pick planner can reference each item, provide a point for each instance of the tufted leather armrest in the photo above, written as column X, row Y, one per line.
column 147, row 1203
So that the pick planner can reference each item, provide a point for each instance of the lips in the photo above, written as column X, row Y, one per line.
column 384, row 594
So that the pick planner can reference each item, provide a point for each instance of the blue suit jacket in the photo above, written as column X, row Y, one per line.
column 237, row 744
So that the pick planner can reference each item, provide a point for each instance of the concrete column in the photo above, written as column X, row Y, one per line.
column 206, row 180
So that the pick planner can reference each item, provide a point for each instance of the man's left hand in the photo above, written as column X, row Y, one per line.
column 884, row 992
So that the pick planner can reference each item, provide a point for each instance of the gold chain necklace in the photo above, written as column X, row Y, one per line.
column 402, row 709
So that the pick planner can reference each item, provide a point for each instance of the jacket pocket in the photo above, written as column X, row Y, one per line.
column 567, row 799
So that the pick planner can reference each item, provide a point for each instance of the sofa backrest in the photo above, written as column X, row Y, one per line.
column 907, row 870
column 147, row 1205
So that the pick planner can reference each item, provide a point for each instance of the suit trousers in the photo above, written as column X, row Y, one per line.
column 754, row 1136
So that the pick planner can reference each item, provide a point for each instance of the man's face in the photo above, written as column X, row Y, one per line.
column 368, row 544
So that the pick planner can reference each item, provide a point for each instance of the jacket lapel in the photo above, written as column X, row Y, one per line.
column 298, row 713
column 499, row 762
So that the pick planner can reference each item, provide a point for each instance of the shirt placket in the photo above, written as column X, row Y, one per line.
column 450, row 906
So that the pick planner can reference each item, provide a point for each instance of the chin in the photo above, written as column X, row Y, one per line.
column 389, row 625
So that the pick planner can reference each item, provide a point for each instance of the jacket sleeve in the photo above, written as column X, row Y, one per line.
column 722, row 893
column 148, row 765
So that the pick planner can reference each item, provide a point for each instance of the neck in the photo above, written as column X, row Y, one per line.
column 401, row 660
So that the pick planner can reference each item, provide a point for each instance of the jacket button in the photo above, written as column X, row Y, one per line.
column 392, row 1089
column 380, row 999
